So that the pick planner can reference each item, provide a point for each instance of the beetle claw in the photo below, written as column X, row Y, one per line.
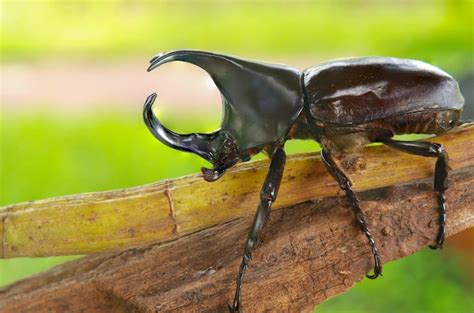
column 438, row 244
column 232, row 309
column 377, row 273
column 374, row 275
column 211, row 175
column 377, row 268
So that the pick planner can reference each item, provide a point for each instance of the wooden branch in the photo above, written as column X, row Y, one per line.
column 165, row 211
column 309, row 252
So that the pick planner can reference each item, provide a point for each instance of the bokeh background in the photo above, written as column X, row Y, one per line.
column 73, row 80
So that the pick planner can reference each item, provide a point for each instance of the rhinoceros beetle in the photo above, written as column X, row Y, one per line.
column 343, row 104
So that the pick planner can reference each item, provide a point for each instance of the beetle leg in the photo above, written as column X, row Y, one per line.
column 346, row 185
column 429, row 149
column 267, row 197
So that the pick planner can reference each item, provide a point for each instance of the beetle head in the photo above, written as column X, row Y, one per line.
column 260, row 103
column 218, row 147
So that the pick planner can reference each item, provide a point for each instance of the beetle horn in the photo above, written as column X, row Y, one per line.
column 254, row 94
column 224, row 70
column 199, row 144
column 210, row 62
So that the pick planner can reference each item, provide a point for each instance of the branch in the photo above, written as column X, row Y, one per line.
column 309, row 252
column 168, row 210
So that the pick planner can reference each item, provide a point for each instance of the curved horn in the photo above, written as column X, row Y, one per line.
column 260, row 100
column 199, row 144
column 205, row 60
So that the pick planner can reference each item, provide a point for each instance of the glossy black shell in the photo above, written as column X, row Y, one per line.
column 361, row 90
column 260, row 100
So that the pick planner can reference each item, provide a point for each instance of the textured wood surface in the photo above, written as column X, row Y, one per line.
column 167, row 210
column 309, row 252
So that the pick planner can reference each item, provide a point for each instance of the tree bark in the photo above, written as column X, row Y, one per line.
column 308, row 253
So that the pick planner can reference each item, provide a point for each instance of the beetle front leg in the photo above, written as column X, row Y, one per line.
column 346, row 185
column 267, row 197
column 429, row 149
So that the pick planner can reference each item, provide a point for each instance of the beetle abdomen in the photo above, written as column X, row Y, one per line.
column 358, row 91
column 424, row 122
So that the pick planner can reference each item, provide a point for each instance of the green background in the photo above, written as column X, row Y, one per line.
column 45, row 153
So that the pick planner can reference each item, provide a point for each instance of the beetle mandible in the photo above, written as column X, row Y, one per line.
column 343, row 104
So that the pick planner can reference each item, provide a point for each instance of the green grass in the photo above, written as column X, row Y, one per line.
column 46, row 155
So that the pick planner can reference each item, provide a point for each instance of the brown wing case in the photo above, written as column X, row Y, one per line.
column 357, row 91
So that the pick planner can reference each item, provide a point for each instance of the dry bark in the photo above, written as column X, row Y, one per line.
column 309, row 252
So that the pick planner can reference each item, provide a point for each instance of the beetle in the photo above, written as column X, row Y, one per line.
column 342, row 104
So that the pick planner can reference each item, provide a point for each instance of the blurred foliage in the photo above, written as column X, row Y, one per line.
column 436, row 31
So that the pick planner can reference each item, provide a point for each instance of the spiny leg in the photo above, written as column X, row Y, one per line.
column 267, row 197
column 346, row 185
column 429, row 149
